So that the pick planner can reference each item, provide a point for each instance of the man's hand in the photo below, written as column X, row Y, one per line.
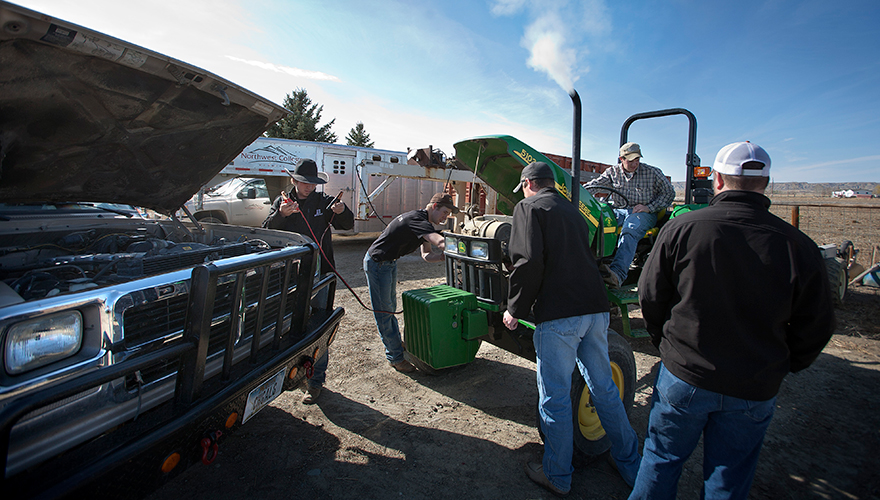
column 640, row 208
column 509, row 321
column 288, row 206
column 337, row 207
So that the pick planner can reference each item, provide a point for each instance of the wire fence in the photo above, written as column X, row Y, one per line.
column 836, row 222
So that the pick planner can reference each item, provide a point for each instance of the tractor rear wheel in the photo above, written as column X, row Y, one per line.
column 837, row 278
column 590, row 439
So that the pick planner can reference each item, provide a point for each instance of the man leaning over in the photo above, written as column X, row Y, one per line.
column 404, row 234
column 735, row 298
column 561, row 284
column 648, row 192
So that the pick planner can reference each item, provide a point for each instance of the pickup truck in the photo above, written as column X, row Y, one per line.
column 243, row 201
column 132, row 347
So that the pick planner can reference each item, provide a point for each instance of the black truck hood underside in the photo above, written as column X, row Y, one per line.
column 86, row 117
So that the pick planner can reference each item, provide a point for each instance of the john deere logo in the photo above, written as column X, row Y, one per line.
column 461, row 247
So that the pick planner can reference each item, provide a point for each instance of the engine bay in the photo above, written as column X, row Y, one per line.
column 49, row 263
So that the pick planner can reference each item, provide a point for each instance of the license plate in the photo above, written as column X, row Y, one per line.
column 263, row 395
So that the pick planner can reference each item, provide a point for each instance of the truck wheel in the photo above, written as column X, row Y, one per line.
column 837, row 278
column 590, row 439
column 210, row 220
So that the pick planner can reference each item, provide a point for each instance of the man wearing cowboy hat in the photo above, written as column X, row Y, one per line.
column 301, row 209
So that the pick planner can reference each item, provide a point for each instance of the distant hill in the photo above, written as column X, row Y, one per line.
column 805, row 188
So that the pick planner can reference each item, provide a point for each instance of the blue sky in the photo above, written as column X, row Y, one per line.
column 800, row 78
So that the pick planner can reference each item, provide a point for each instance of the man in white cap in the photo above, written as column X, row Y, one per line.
column 648, row 192
column 735, row 298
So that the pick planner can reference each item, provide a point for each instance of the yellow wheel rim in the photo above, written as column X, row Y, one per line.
column 588, row 419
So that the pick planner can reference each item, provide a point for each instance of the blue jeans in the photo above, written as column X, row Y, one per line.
column 319, row 375
column 634, row 226
column 382, row 283
column 560, row 345
column 732, row 429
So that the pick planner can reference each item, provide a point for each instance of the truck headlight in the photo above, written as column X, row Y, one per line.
column 479, row 250
column 451, row 244
column 38, row 342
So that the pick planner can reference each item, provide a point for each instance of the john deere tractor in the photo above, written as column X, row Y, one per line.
column 445, row 324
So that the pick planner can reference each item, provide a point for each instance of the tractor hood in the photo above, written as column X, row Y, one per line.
column 87, row 117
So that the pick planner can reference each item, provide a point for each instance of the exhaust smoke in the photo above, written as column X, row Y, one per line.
column 546, row 43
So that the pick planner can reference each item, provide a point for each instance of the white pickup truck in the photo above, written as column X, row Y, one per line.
column 243, row 201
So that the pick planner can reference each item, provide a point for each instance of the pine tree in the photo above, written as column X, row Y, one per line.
column 359, row 137
column 303, row 123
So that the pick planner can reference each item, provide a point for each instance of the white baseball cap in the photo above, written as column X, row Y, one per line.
column 743, row 158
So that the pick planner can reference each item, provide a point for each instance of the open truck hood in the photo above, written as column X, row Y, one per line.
column 87, row 117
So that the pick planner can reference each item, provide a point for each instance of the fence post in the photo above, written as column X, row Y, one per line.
column 795, row 215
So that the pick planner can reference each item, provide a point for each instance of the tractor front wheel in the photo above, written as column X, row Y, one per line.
column 590, row 439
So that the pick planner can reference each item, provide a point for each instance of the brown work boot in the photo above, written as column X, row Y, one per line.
column 535, row 471
column 611, row 280
column 404, row 366
column 311, row 396
column 608, row 276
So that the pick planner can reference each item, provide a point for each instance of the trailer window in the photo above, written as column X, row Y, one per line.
column 394, row 159
column 339, row 167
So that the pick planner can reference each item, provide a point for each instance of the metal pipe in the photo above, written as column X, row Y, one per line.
column 576, row 150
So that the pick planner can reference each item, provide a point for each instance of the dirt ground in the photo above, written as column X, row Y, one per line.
column 466, row 433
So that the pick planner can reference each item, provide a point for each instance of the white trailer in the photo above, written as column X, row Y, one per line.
column 376, row 184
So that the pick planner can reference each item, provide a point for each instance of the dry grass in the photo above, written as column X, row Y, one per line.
column 827, row 221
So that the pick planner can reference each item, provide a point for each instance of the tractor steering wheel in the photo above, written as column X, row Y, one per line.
column 626, row 202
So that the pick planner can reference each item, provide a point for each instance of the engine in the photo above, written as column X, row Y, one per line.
column 47, row 266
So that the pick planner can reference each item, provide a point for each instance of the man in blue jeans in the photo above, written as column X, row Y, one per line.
column 735, row 298
column 555, row 276
column 647, row 190
column 407, row 232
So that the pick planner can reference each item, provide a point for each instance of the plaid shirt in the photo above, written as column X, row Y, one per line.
column 646, row 186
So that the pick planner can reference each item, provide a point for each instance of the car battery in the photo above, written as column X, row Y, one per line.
column 442, row 325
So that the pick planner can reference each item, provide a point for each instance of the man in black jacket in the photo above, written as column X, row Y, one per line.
column 556, row 276
column 735, row 298
column 303, row 210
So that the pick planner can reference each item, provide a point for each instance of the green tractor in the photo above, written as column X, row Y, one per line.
column 445, row 324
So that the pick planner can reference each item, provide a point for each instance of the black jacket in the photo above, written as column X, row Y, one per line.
column 735, row 297
column 554, row 268
column 314, row 207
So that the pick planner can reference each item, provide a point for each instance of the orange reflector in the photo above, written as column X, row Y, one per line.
column 702, row 172
column 233, row 418
column 315, row 355
column 293, row 372
column 171, row 462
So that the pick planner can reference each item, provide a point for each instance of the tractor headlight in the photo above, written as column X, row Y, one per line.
column 451, row 244
column 38, row 342
column 479, row 250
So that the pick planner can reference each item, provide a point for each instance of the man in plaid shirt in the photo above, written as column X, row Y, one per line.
column 647, row 190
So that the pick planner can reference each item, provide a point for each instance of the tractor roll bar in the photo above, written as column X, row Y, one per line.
column 691, row 160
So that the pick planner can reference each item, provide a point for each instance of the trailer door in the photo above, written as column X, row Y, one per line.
column 340, row 172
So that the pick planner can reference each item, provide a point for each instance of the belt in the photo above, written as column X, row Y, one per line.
column 380, row 261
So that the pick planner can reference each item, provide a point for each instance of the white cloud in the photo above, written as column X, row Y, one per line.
column 297, row 72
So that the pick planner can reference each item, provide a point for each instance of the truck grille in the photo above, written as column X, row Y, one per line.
column 153, row 322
